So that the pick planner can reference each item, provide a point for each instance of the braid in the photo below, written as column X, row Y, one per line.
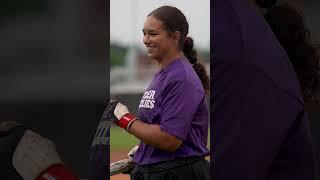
column 188, row 50
column 192, row 56
column 203, row 75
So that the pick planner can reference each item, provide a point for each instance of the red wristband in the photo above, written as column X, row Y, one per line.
column 58, row 172
column 126, row 120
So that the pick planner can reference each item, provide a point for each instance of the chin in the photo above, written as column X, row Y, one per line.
column 152, row 56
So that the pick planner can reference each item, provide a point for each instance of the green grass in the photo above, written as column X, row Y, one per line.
column 121, row 140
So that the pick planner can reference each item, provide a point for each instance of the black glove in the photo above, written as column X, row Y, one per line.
column 118, row 114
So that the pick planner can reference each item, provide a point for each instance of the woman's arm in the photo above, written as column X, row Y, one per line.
column 151, row 134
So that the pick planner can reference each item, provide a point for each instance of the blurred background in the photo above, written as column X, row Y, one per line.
column 312, row 17
column 310, row 9
column 131, row 70
column 54, row 66
column 54, row 74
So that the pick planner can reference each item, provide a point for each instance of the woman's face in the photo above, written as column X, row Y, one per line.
column 157, row 40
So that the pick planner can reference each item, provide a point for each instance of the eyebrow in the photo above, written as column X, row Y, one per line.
column 149, row 30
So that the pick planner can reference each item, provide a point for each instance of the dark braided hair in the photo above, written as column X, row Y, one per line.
column 289, row 27
column 192, row 55
column 174, row 20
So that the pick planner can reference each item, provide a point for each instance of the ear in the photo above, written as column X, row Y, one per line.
column 176, row 36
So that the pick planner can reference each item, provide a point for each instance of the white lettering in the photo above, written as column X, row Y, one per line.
column 147, row 100
column 151, row 104
column 152, row 92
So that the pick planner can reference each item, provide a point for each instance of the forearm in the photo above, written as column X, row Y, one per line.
column 151, row 134
column 148, row 133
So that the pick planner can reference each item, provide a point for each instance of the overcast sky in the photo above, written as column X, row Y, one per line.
column 127, row 18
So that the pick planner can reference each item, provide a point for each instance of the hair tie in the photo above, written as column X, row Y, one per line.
column 186, row 40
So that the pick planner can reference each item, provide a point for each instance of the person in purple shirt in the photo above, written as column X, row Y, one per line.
column 264, row 70
column 172, row 123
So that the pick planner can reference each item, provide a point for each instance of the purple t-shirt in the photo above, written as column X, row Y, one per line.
column 261, row 131
column 176, row 101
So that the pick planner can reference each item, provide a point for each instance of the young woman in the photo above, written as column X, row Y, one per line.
column 264, row 70
column 172, row 123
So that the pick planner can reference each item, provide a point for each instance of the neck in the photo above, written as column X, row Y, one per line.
column 168, row 59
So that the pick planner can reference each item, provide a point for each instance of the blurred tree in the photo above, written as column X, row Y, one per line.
column 117, row 55
column 204, row 55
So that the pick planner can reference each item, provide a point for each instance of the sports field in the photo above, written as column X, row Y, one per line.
column 121, row 140
column 120, row 144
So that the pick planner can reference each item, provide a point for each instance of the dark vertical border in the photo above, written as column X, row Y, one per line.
column 312, row 16
column 108, row 73
column 212, row 17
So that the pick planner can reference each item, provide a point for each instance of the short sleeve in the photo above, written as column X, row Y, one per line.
column 179, row 105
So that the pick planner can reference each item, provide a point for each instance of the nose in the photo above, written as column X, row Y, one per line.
column 146, row 39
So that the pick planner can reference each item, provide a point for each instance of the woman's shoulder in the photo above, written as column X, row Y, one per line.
column 177, row 70
column 183, row 75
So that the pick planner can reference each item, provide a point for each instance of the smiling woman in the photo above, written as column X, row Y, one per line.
column 172, row 121
column 165, row 36
column 161, row 45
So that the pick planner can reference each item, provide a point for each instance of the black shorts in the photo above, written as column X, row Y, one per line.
column 196, row 169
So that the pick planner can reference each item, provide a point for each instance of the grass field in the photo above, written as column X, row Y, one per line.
column 120, row 139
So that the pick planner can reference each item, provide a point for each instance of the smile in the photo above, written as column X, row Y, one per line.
column 150, row 48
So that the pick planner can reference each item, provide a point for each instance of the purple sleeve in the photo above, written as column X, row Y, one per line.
column 180, row 102
column 257, row 126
